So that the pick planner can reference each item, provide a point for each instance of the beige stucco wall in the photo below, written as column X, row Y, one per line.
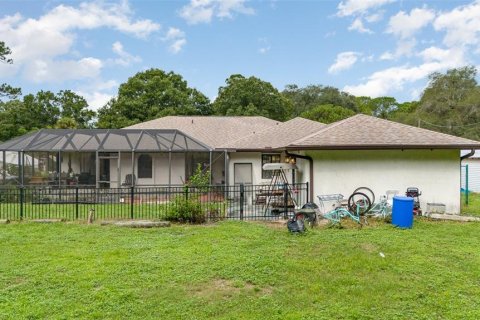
column 435, row 172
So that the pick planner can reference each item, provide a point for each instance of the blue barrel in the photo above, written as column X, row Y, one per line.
column 402, row 212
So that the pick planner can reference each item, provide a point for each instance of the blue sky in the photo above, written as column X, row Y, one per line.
column 365, row 47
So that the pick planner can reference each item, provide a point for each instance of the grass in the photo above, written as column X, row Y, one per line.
column 473, row 207
column 239, row 270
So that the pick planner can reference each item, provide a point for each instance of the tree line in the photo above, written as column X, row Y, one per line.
column 450, row 103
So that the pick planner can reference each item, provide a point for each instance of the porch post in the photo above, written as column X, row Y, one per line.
column 119, row 170
column 210, row 167
column 4, row 167
column 226, row 168
column 20, row 167
column 59, row 167
column 133, row 167
column 97, row 170
column 170, row 168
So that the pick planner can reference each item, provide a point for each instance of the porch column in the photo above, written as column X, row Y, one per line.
column 119, row 170
column 210, row 167
column 169, row 168
column 21, row 160
column 4, row 166
column 133, row 168
column 227, row 161
column 97, row 170
column 59, row 167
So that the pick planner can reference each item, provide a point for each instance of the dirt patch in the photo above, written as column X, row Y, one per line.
column 222, row 288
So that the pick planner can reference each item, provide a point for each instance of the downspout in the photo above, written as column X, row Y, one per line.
column 310, row 160
column 468, row 155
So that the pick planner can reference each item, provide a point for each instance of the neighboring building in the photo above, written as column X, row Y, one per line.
column 336, row 158
column 473, row 163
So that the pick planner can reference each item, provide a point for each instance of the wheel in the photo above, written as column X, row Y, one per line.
column 359, row 203
column 368, row 192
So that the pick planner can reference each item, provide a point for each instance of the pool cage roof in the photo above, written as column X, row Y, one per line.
column 105, row 140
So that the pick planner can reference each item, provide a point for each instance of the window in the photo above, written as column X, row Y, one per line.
column 243, row 173
column 145, row 166
column 269, row 158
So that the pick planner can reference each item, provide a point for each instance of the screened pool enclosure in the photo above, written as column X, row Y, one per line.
column 107, row 158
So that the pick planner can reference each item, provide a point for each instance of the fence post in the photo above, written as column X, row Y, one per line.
column 242, row 199
column 186, row 193
column 285, row 200
column 22, row 196
column 76, row 203
column 132, row 198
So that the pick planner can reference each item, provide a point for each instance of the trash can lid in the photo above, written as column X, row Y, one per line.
column 403, row 198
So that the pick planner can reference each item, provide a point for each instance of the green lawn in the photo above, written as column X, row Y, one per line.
column 239, row 270
column 473, row 207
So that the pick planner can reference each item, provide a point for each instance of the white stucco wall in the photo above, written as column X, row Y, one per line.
column 255, row 158
column 435, row 172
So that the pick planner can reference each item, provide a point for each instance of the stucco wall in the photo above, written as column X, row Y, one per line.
column 436, row 173
column 255, row 158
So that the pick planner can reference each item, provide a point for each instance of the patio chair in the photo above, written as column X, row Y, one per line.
column 130, row 180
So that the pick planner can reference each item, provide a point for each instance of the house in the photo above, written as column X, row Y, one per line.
column 335, row 158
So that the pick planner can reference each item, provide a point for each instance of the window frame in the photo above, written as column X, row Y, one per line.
column 140, row 173
column 235, row 175
column 267, row 174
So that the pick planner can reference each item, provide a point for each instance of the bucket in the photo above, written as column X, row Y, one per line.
column 402, row 212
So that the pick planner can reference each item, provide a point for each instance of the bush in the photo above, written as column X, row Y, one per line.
column 185, row 210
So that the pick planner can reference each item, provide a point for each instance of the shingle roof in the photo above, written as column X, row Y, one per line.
column 277, row 136
column 366, row 132
column 213, row 131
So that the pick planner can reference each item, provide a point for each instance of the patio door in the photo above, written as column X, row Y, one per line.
column 108, row 170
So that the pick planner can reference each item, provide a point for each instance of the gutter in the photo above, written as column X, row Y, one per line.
column 310, row 160
column 468, row 155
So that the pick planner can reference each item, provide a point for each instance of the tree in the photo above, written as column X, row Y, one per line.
column 304, row 99
column 251, row 96
column 327, row 113
column 451, row 103
column 66, row 123
column 380, row 107
column 74, row 107
column 151, row 94
column 5, row 89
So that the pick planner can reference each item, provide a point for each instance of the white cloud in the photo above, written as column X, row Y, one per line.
column 39, row 44
column 176, row 38
column 404, row 25
column 462, row 25
column 124, row 58
column 203, row 11
column 386, row 81
column 375, row 17
column 95, row 99
column 344, row 61
column 354, row 7
column 45, row 70
column 357, row 25
column 177, row 45
column 264, row 45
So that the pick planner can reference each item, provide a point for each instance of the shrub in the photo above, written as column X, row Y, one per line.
column 185, row 210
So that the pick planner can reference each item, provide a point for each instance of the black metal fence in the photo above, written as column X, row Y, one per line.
column 244, row 202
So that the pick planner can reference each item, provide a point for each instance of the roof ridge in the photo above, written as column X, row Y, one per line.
column 327, row 127
column 416, row 128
